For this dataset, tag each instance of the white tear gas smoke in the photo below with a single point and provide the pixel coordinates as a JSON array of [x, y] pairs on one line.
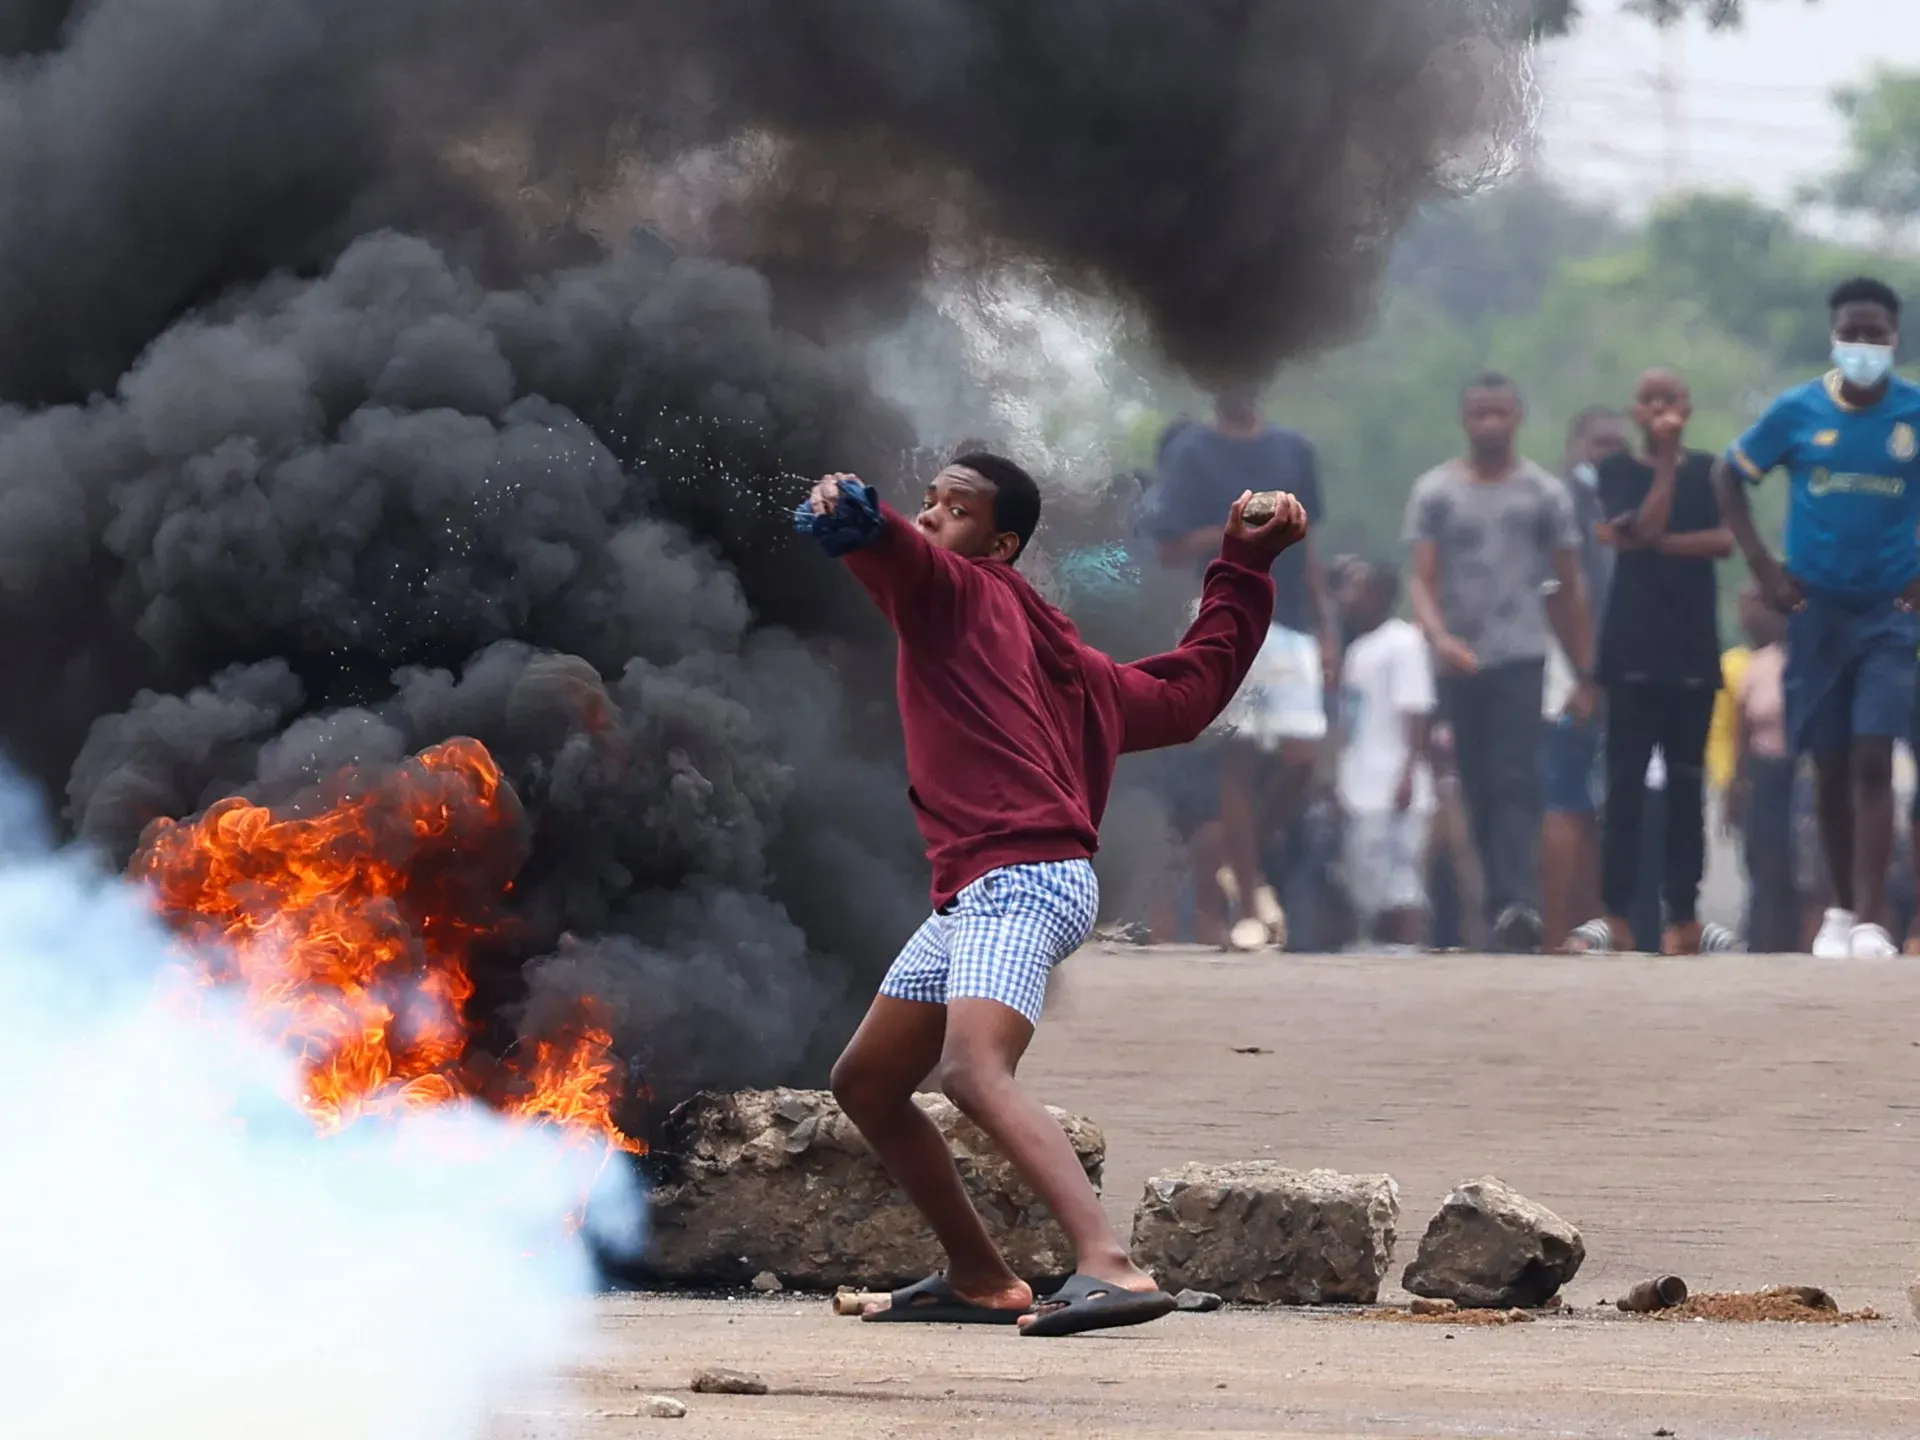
[[185, 1256], [328, 430]]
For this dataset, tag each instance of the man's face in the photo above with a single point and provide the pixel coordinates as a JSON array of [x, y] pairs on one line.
[[957, 515], [1865, 322], [1660, 392], [1491, 419], [1599, 440]]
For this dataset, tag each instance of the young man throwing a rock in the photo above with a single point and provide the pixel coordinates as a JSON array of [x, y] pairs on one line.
[[1013, 727]]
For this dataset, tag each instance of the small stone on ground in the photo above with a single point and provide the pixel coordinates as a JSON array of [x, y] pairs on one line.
[[727, 1382], [768, 1283], [1423, 1306], [1198, 1302], [661, 1407]]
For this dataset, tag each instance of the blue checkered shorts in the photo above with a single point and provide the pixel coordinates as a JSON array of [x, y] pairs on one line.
[[1000, 938]]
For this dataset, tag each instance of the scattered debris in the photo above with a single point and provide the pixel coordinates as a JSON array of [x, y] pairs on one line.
[[1251, 1050], [1792, 1304], [1424, 1306], [662, 1407], [1492, 1248], [1650, 1295], [1198, 1302], [727, 1382], [768, 1283], [1663, 1434], [1913, 1298], [854, 1302], [1455, 1317]]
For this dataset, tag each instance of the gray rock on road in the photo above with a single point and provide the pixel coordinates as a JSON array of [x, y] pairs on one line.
[[780, 1182], [1491, 1248], [727, 1382], [1256, 1233]]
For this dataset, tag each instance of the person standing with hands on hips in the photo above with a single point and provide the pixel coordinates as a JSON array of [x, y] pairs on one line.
[[1850, 443]]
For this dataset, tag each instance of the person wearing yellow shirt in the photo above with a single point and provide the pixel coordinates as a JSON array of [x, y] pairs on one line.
[[1723, 736]]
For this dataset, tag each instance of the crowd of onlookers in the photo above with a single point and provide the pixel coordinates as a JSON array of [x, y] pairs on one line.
[[1516, 734]]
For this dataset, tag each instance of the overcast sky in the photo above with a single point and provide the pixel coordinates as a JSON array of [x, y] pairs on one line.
[[1752, 109]]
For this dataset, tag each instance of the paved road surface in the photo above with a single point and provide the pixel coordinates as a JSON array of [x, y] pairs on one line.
[[1742, 1121]]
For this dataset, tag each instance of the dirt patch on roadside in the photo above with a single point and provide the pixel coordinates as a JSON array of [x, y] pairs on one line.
[[1787, 1305], [1482, 1318]]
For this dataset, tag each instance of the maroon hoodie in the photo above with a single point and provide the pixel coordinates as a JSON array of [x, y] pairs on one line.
[[1013, 725]]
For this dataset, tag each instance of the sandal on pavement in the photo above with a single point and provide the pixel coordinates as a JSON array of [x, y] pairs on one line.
[[933, 1301], [1085, 1303]]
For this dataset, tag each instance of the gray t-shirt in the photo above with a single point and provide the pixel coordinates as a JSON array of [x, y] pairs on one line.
[[1496, 543]]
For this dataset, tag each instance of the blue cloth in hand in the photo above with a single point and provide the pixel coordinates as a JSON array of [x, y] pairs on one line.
[[851, 525]]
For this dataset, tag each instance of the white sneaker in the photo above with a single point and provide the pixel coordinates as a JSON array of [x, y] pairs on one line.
[[1835, 940], [1267, 910], [1870, 942]]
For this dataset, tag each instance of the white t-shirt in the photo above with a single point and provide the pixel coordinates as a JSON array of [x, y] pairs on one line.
[[1388, 676]]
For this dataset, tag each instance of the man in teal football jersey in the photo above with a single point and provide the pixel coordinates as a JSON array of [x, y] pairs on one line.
[[1850, 443]]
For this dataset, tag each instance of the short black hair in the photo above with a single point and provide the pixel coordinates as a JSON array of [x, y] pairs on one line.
[[1864, 290], [1589, 417], [1489, 380], [1016, 498]]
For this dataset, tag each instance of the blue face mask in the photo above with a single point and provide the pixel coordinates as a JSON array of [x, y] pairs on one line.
[[1586, 475], [1862, 365]]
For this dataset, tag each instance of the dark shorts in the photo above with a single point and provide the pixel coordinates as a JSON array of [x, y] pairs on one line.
[[1187, 780], [1850, 673], [1569, 755]]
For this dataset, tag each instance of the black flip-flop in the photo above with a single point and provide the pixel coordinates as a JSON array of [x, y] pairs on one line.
[[933, 1301], [1084, 1304]]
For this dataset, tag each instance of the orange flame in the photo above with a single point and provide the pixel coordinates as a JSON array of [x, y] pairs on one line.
[[348, 934]]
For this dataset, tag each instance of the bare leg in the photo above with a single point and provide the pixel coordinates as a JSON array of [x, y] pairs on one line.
[[1872, 826], [1563, 848], [1833, 804], [1402, 927], [985, 1041], [1243, 820], [896, 1047]]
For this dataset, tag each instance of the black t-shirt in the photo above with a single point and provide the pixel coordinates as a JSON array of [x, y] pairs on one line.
[[1662, 616], [1202, 473]]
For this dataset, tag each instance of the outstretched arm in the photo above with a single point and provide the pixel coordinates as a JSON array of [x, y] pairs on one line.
[[1170, 699], [910, 580]]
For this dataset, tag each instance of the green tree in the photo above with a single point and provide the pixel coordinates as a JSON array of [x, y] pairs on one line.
[[1558, 17], [1881, 176]]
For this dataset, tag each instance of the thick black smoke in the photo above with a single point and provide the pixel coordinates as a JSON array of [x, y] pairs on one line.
[[333, 432]]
